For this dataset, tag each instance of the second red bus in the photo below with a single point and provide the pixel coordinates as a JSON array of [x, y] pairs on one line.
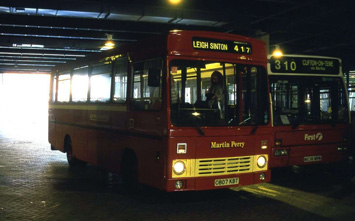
[[310, 110]]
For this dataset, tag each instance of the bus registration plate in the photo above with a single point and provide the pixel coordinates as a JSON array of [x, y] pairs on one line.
[[312, 158], [226, 182]]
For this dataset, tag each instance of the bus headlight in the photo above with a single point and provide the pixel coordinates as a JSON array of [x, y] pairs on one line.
[[179, 167], [261, 161]]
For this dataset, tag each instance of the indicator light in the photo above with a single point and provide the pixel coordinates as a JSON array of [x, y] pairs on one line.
[[181, 148]]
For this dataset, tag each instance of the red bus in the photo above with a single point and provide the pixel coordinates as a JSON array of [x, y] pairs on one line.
[[151, 112], [311, 117]]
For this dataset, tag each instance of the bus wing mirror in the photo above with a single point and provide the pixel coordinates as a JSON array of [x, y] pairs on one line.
[[154, 77]]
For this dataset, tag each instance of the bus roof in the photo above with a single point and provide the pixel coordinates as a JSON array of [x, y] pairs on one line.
[[197, 44]]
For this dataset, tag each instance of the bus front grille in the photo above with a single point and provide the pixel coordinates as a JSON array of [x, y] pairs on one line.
[[223, 166]]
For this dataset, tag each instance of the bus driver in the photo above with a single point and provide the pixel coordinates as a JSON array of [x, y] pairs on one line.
[[215, 94]]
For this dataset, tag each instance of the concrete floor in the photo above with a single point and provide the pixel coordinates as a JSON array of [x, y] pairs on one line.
[[36, 184]]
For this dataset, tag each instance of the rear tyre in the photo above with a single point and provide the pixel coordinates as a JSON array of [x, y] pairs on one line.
[[72, 161]]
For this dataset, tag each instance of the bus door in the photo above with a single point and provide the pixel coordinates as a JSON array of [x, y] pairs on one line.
[[146, 121]]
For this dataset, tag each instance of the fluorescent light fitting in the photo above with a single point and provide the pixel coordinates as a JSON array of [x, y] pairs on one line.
[[28, 45]]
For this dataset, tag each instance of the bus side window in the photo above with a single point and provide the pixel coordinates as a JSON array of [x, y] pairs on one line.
[[120, 90], [80, 83], [100, 83], [63, 87], [54, 80], [147, 92]]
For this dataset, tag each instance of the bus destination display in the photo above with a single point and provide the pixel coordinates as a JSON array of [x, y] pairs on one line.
[[221, 45], [304, 65]]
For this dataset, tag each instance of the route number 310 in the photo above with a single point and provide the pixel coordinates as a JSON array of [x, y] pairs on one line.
[[286, 65]]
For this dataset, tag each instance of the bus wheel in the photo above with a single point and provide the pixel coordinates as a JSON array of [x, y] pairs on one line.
[[72, 161], [129, 170]]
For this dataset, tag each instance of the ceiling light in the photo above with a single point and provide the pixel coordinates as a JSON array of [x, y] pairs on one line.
[[28, 46], [109, 44], [175, 2], [277, 52]]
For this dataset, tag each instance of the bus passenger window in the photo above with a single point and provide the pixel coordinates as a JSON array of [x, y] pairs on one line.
[[120, 91], [80, 83], [325, 104], [63, 87], [100, 83], [54, 88]]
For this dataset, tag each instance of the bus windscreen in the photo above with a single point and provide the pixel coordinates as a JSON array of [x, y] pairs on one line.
[[217, 94]]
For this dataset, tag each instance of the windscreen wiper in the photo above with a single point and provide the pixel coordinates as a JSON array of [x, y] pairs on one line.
[[255, 128], [198, 125], [296, 123], [200, 130], [332, 123]]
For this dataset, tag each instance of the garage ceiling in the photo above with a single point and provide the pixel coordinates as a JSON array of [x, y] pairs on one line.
[[36, 35]]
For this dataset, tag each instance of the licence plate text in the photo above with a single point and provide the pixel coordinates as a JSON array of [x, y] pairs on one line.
[[312, 158], [226, 182]]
